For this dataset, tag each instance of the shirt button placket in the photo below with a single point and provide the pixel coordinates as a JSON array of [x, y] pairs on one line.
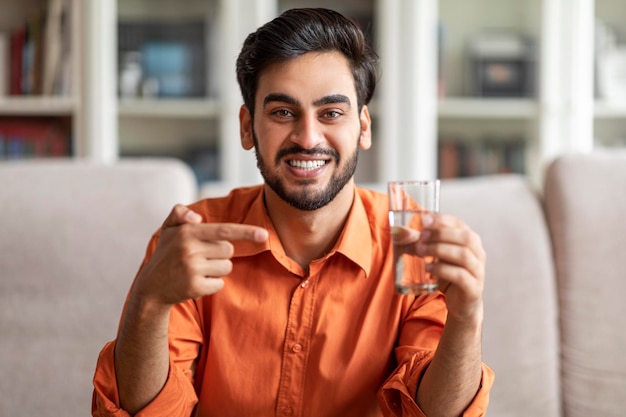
[[287, 411], [299, 322]]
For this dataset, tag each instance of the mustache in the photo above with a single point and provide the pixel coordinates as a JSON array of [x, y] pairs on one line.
[[299, 150]]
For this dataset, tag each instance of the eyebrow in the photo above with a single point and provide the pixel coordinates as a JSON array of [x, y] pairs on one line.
[[333, 99], [284, 98]]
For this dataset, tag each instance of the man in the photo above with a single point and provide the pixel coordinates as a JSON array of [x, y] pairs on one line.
[[279, 299]]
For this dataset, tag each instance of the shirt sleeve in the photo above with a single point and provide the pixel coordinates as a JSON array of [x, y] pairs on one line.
[[397, 396], [418, 341], [177, 398]]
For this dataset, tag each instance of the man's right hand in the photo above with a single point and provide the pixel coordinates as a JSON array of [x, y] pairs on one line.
[[191, 257], [188, 263]]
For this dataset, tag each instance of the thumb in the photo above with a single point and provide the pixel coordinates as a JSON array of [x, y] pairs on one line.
[[404, 235], [180, 215]]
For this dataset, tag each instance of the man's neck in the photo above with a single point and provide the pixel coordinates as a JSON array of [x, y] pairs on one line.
[[309, 235]]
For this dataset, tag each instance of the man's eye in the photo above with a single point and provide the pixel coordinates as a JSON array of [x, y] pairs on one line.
[[332, 114], [283, 113]]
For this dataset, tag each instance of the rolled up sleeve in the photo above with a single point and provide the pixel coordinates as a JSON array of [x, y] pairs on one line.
[[397, 395], [177, 398], [418, 341]]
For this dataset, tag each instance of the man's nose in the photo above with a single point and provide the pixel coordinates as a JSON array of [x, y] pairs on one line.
[[307, 132]]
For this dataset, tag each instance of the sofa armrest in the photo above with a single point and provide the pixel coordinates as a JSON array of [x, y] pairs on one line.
[[585, 197]]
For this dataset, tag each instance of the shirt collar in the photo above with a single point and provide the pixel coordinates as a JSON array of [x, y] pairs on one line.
[[257, 216], [355, 242]]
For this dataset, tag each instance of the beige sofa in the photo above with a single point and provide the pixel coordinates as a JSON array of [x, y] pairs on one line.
[[73, 233]]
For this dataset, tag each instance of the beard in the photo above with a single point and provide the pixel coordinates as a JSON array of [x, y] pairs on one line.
[[304, 198]]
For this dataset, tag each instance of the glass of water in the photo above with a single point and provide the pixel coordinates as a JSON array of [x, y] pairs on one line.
[[409, 201]]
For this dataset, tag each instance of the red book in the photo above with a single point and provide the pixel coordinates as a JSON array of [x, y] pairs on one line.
[[18, 39], [35, 137]]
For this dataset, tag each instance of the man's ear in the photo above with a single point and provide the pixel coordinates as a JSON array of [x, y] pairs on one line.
[[245, 128], [366, 128]]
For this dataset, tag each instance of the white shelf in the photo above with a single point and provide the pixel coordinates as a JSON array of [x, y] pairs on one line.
[[40, 106], [487, 108], [609, 110], [178, 108]]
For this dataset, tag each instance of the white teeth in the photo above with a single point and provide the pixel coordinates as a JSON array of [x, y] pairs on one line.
[[308, 165]]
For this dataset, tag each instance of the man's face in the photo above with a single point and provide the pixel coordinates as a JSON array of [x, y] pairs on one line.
[[307, 128]]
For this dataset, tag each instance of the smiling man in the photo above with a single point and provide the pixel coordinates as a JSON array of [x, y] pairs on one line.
[[278, 300]]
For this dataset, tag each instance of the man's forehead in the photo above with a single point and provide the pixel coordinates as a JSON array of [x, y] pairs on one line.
[[314, 77]]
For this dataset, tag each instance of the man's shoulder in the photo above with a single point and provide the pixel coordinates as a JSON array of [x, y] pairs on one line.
[[375, 203], [374, 198], [232, 207]]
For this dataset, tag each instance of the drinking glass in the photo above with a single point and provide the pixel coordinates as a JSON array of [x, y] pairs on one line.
[[409, 201]]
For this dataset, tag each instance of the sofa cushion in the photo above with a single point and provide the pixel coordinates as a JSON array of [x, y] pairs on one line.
[[520, 335], [585, 197], [72, 236]]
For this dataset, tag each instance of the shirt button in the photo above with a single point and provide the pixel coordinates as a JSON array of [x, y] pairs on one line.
[[296, 348], [287, 411]]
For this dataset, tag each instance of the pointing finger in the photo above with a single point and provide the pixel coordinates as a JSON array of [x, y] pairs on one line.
[[180, 215], [232, 232]]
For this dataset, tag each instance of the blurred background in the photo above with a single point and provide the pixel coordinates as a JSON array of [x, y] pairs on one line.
[[467, 88]]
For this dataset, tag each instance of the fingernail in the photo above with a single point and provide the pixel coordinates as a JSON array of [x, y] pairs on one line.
[[425, 235], [261, 235], [427, 220], [192, 216]]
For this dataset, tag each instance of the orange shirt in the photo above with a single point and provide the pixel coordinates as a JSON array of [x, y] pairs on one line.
[[277, 342]]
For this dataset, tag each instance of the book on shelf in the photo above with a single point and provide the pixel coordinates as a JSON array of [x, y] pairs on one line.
[[57, 47], [458, 158], [32, 55], [34, 137], [18, 41], [4, 64], [40, 52]]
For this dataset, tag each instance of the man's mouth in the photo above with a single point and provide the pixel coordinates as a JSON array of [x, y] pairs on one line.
[[307, 165]]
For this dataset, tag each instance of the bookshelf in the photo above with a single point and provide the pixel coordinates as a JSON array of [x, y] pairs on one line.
[[413, 110], [40, 104], [559, 115]]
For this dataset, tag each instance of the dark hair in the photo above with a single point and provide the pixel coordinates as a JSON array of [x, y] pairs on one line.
[[298, 31]]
